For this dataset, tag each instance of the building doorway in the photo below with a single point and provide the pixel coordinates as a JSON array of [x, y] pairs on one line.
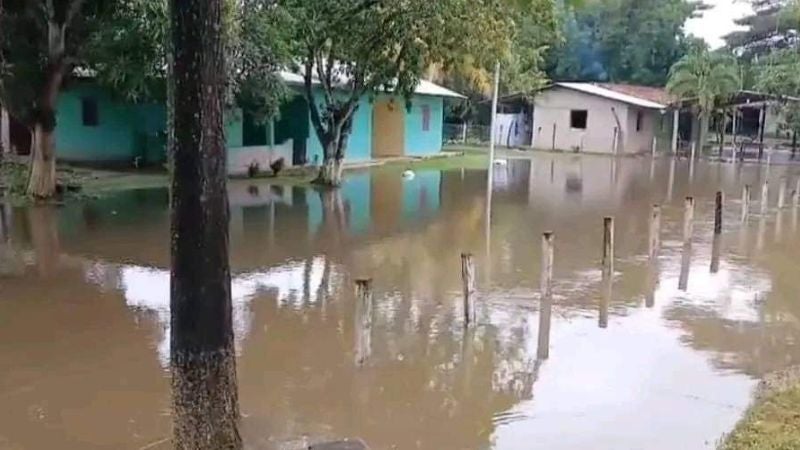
[[388, 129]]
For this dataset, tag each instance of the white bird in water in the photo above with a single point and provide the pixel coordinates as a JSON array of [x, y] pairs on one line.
[[408, 174]]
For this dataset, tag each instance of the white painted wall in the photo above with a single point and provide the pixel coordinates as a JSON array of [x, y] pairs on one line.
[[553, 106], [517, 125], [240, 158]]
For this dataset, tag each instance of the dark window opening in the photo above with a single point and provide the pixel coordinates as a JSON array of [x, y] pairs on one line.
[[89, 112], [639, 120], [426, 118], [578, 119]]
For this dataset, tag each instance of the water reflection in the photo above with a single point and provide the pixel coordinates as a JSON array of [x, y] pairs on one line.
[[84, 290]]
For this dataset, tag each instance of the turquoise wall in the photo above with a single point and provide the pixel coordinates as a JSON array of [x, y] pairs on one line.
[[417, 141], [359, 146], [124, 131], [234, 126]]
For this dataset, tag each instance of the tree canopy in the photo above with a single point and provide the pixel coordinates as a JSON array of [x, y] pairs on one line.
[[347, 49], [623, 41], [129, 52], [773, 26]]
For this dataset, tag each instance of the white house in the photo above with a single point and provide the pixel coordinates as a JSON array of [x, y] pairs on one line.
[[603, 118]]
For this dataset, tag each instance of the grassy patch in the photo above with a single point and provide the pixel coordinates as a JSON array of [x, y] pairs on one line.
[[466, 160], [773, 421]]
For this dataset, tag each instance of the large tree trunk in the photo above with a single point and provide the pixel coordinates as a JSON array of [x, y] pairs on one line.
[[204, 389], [42, 179]]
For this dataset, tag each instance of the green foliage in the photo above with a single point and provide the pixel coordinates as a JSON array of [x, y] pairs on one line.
[[24, 59], [770, 424], [129, 53], [705, 78], [773, 26], [364, 47], [778, 75], [623, 41]]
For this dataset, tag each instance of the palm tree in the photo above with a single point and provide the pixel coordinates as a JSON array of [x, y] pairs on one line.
[[706, 79]]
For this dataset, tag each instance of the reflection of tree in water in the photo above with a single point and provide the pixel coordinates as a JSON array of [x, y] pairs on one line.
[[755, 348], [42, 222]]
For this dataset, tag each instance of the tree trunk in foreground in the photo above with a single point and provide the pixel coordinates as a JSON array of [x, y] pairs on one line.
[[42, 178], [204, 389]]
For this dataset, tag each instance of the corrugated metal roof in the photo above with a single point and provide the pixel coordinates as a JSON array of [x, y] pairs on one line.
[[593, 89], [423, 88]]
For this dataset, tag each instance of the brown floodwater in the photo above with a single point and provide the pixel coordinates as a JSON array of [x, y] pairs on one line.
[[665, 357]]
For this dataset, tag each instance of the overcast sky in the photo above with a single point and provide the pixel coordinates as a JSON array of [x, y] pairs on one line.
[[718, 21]]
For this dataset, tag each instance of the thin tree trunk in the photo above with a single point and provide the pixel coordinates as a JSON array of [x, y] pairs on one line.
[[204, 389], [794, 144]]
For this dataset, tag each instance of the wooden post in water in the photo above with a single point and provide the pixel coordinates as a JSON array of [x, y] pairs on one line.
[[718, 213], [655, 231], [715, 252], [608, 270], [468, 280], [363, 325], [655, 146], [745, 202], [691, 161], [796, 194], [688, 218], [782, 193], [764, 197], [608, 246], [546, 288]]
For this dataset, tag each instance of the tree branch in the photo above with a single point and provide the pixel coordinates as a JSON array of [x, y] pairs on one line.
[[313, 109]]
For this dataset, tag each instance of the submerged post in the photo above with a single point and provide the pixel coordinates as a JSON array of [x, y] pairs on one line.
[[363, 325], [764, 197], [688, 218], [745, 201], [655, 231], [655, 146], [718, 213], [782, 193], [468, 281], [546, 288], [715, 252], [796, 194], [608, 246]]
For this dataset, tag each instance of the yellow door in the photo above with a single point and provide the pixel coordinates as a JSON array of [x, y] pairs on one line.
[[388, 129]]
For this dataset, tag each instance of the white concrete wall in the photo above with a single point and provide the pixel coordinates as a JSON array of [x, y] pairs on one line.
[[240, 158], [642, 141], [553, 106]]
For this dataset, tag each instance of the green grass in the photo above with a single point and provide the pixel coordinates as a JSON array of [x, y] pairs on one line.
[[772, 422]]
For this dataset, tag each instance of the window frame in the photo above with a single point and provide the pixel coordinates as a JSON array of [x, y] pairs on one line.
[[573, 117], [90, 112], [426, 118]]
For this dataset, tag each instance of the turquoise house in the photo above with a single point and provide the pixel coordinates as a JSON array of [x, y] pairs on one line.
[[94, 128]]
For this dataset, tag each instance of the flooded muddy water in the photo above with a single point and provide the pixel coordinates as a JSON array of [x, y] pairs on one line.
[[664, 357]]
